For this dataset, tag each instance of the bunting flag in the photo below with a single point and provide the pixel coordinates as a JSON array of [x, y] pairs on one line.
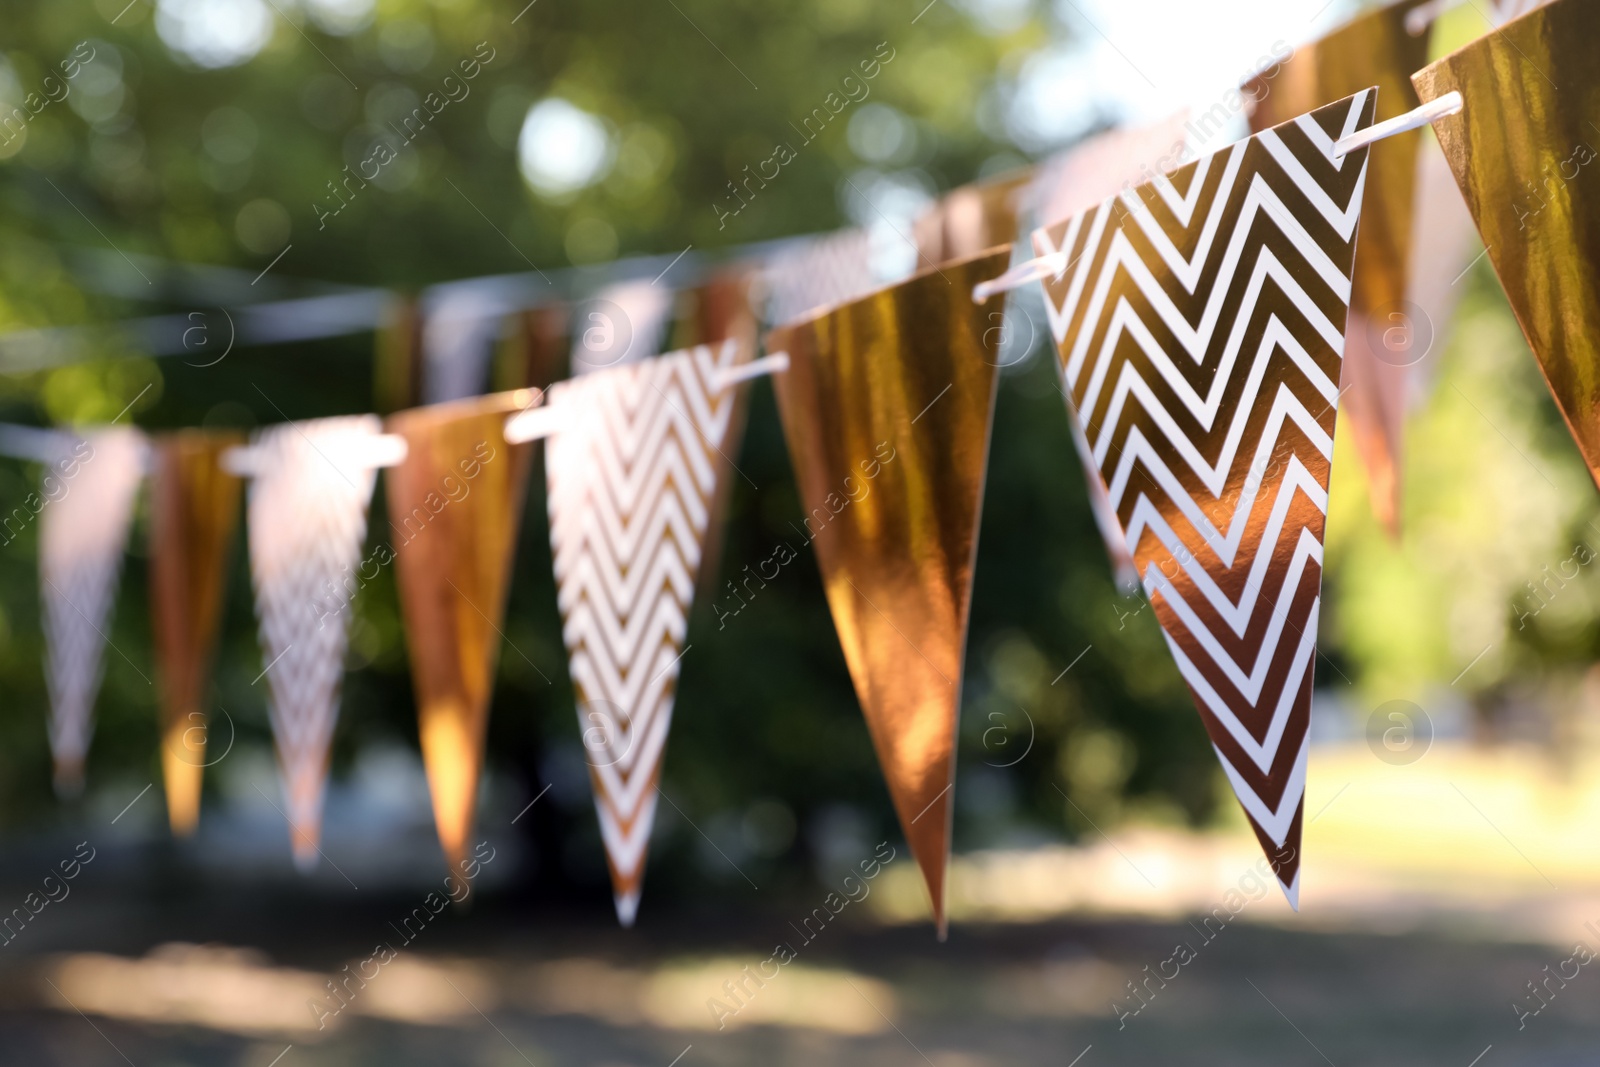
[[1074, 181], [535, 352], [1080, 177], [455, 505], [623, 323], [631, 476], [1523, 151], [887, 407], [194, 510], [307, 513], [973, 218], [458, 341], [1376, 49], [83, 532], [818, 272], [397, 357], [1200, 330]]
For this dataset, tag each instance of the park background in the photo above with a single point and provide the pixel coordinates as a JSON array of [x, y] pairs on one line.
[[1447, 859]]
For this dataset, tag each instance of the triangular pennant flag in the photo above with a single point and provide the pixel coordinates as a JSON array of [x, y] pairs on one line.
[[1078, 178], [1379, 362], [816, 272], [887, 407], [194, 510], [631, 475], [1074, 181], [83, 532], [535, 351], [309, 490], [1523, 150], [455, 504], [973, 218], [623, 323], [1200, 325], [397, 356]]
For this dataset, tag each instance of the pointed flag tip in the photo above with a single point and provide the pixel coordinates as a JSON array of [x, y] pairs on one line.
[[68, 781], [305, 859], [1291, 893], [627, 907]]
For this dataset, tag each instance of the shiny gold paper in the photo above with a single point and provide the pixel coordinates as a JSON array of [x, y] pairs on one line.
[[973, 218], [397, 357], [194, 511], [1375, 49], [1523, 150], [887, 407], [535, 352], [455, 504], [1199, 323]]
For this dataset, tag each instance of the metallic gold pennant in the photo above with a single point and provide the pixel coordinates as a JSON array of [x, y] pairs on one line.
[[973, 218], [194, 511], [887, 407], [455, 505], [1199, 322], [1376, 49], [1523, 151]]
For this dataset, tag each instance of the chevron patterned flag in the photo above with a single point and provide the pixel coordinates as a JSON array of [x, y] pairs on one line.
[[816, 272], [82, 535], [1200, 325], [631, 477], [307, 516]]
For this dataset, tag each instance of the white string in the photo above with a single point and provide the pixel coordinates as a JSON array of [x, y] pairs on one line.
[[1055, 263], [1415, 119], [33, 443], [378, 450], [1419, 18], [776, 363], [531, 424], [1030, 270]]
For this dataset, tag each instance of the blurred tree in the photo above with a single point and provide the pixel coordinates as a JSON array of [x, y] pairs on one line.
[[245, 134]]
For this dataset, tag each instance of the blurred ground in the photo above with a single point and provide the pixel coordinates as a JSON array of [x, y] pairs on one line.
[[558, 989], [1423, 934]]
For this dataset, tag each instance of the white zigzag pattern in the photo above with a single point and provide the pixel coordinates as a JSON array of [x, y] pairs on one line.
[[308, 520], [630, 488], [1195, 339], [82, 537]]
